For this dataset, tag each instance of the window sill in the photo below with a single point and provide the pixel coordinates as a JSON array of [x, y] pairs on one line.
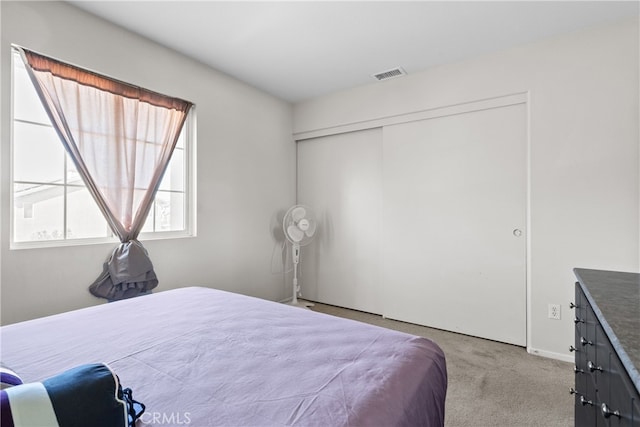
[[144, 237]]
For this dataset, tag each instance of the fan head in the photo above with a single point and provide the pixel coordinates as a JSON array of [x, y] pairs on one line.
[[299, 225]]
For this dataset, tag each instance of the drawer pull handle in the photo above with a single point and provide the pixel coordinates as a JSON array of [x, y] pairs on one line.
[[585, 341], [572, 305], [577, 371], [592, 367], [585, 401], [577, 320], [607, 412], [572, 348]]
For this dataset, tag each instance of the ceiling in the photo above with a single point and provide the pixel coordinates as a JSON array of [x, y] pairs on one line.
[[298, 50]]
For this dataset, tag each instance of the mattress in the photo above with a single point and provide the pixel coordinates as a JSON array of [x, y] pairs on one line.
[[203, 357]]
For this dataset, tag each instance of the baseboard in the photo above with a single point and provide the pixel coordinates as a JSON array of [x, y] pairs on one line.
[[551, 355]]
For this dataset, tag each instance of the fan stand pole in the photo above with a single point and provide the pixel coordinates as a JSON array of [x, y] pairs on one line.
[[294, 300], [295, 251]]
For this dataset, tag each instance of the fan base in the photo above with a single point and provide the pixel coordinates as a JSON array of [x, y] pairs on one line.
[[301, 303]]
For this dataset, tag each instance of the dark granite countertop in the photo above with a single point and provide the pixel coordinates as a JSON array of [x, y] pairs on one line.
[[615, 299]]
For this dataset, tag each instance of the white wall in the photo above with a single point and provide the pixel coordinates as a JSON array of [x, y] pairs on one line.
[[245, 168], [584, 183]]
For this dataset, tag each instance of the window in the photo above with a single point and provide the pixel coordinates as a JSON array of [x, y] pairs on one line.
[[51, 205]]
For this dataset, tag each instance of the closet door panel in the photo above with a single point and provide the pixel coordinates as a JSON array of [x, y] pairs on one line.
[[340, 177], [454, 240]]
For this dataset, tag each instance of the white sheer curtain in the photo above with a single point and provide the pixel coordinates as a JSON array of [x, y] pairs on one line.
[[120, 137]]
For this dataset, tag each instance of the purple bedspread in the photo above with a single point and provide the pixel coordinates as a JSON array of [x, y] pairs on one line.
[[202, 357]]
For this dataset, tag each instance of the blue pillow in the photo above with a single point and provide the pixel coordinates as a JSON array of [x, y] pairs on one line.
[[8, 378], [88, 395]]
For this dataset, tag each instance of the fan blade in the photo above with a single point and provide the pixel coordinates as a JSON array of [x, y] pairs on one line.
[[311, 230], [295, 233], [298, 213]]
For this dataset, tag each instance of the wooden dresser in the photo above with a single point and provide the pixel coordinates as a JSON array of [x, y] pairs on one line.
[[607, 348]]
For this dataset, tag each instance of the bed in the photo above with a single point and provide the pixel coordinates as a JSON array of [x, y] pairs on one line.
[[205, 357]]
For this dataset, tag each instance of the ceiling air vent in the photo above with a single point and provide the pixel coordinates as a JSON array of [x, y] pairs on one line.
[[389, 74]]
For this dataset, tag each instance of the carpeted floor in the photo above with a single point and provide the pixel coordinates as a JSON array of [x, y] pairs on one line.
[[490, 383]]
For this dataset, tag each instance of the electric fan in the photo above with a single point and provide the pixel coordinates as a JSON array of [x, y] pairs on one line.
[[299, 225]]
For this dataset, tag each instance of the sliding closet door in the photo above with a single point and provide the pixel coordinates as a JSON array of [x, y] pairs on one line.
[[340, 178], [453, 246]]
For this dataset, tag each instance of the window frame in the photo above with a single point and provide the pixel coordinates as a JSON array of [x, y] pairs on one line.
[[189, 171]]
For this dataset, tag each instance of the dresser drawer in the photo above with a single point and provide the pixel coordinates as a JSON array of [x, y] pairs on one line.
[[582, 328], [588, 345], [616, 391], [585, 403]]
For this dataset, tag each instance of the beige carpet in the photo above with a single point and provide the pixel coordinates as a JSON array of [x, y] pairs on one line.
[[490, 383]]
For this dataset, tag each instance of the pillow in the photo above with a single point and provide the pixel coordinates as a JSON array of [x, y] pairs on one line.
[[8, 378], [88, 395]]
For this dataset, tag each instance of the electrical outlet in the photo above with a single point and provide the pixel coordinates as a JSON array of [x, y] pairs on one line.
[[554, 311]]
